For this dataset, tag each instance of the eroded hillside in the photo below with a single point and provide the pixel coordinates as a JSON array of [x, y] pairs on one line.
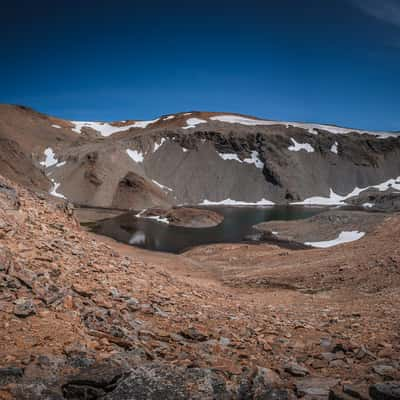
[[196, 158]]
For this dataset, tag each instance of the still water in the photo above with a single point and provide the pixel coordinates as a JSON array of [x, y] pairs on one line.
[[237, 225]]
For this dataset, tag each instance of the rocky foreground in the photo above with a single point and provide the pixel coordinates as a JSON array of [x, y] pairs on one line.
[[83, 317]]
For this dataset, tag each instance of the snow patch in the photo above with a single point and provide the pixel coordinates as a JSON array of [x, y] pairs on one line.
[[230, 202], [301, 146], [162, 186], [158, 145], [56, 126], [61, 164], [184, 149], [334, 148], [54, 192], [230, 156], [368, 205], [337, 199], [135, 155], [344, 237], [153, 217], [310, 127], [169, 117], [106, 129], [254, 158], [50, 159], [236, 119], [192, 122]]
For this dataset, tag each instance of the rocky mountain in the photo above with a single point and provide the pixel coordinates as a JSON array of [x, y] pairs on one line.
[[194, 158]]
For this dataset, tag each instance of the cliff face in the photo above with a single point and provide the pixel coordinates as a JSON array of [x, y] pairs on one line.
[[197, 158]]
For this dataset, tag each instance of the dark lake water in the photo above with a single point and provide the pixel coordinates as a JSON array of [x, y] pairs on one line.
[[237, 225]]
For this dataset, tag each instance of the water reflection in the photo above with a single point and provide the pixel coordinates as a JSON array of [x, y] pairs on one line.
[[237, 224]]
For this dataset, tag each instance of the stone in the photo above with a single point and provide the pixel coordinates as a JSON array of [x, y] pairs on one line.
[[24, 308], [82, 290], [357, 391], [385, 391], [10, 374], [315, 387], [193, 334], [386, 371], [296, 369]]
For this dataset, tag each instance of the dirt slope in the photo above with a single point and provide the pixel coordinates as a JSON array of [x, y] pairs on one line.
[[83, 316]]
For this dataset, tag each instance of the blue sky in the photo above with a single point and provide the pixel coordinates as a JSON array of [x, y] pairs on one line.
[[331, 61]]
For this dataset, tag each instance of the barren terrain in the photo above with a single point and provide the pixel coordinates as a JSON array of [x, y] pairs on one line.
[[221, 321]]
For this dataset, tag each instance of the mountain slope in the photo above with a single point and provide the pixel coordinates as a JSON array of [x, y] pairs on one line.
[[202, 157]]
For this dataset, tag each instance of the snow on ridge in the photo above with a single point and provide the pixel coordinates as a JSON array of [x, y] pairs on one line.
[[169, 117], [135, 155], [310, 127], [344, 237], [106, 129], [301, 146], [60, 164], [50, 159], [236, 119], [335, 199], [334, 148], [192, 122], [230, 202], [254, 158], [56, 126], [162, 186]]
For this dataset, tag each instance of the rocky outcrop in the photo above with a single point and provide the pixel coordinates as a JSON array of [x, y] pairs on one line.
[[185, 216]]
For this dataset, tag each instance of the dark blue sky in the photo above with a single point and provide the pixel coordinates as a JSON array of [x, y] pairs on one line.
[[335, 61]]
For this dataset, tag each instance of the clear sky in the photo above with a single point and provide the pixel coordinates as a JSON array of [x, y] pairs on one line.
[[331, 61]]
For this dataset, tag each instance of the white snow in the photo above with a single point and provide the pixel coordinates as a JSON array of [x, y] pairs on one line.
[[230, 202], [368, 205], [162, 186], [56, 126], [192, 122], [189, 113], [154, 217], [53, 191], [334, 148], [50, 159], [254, 158], [106, 129], [236, 119], [158, 145], [337, 199], [344, 237], [184, 149], [135, 155], [61, 164], [301, 146], [230, 156], [312, 128], [169, 117]]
